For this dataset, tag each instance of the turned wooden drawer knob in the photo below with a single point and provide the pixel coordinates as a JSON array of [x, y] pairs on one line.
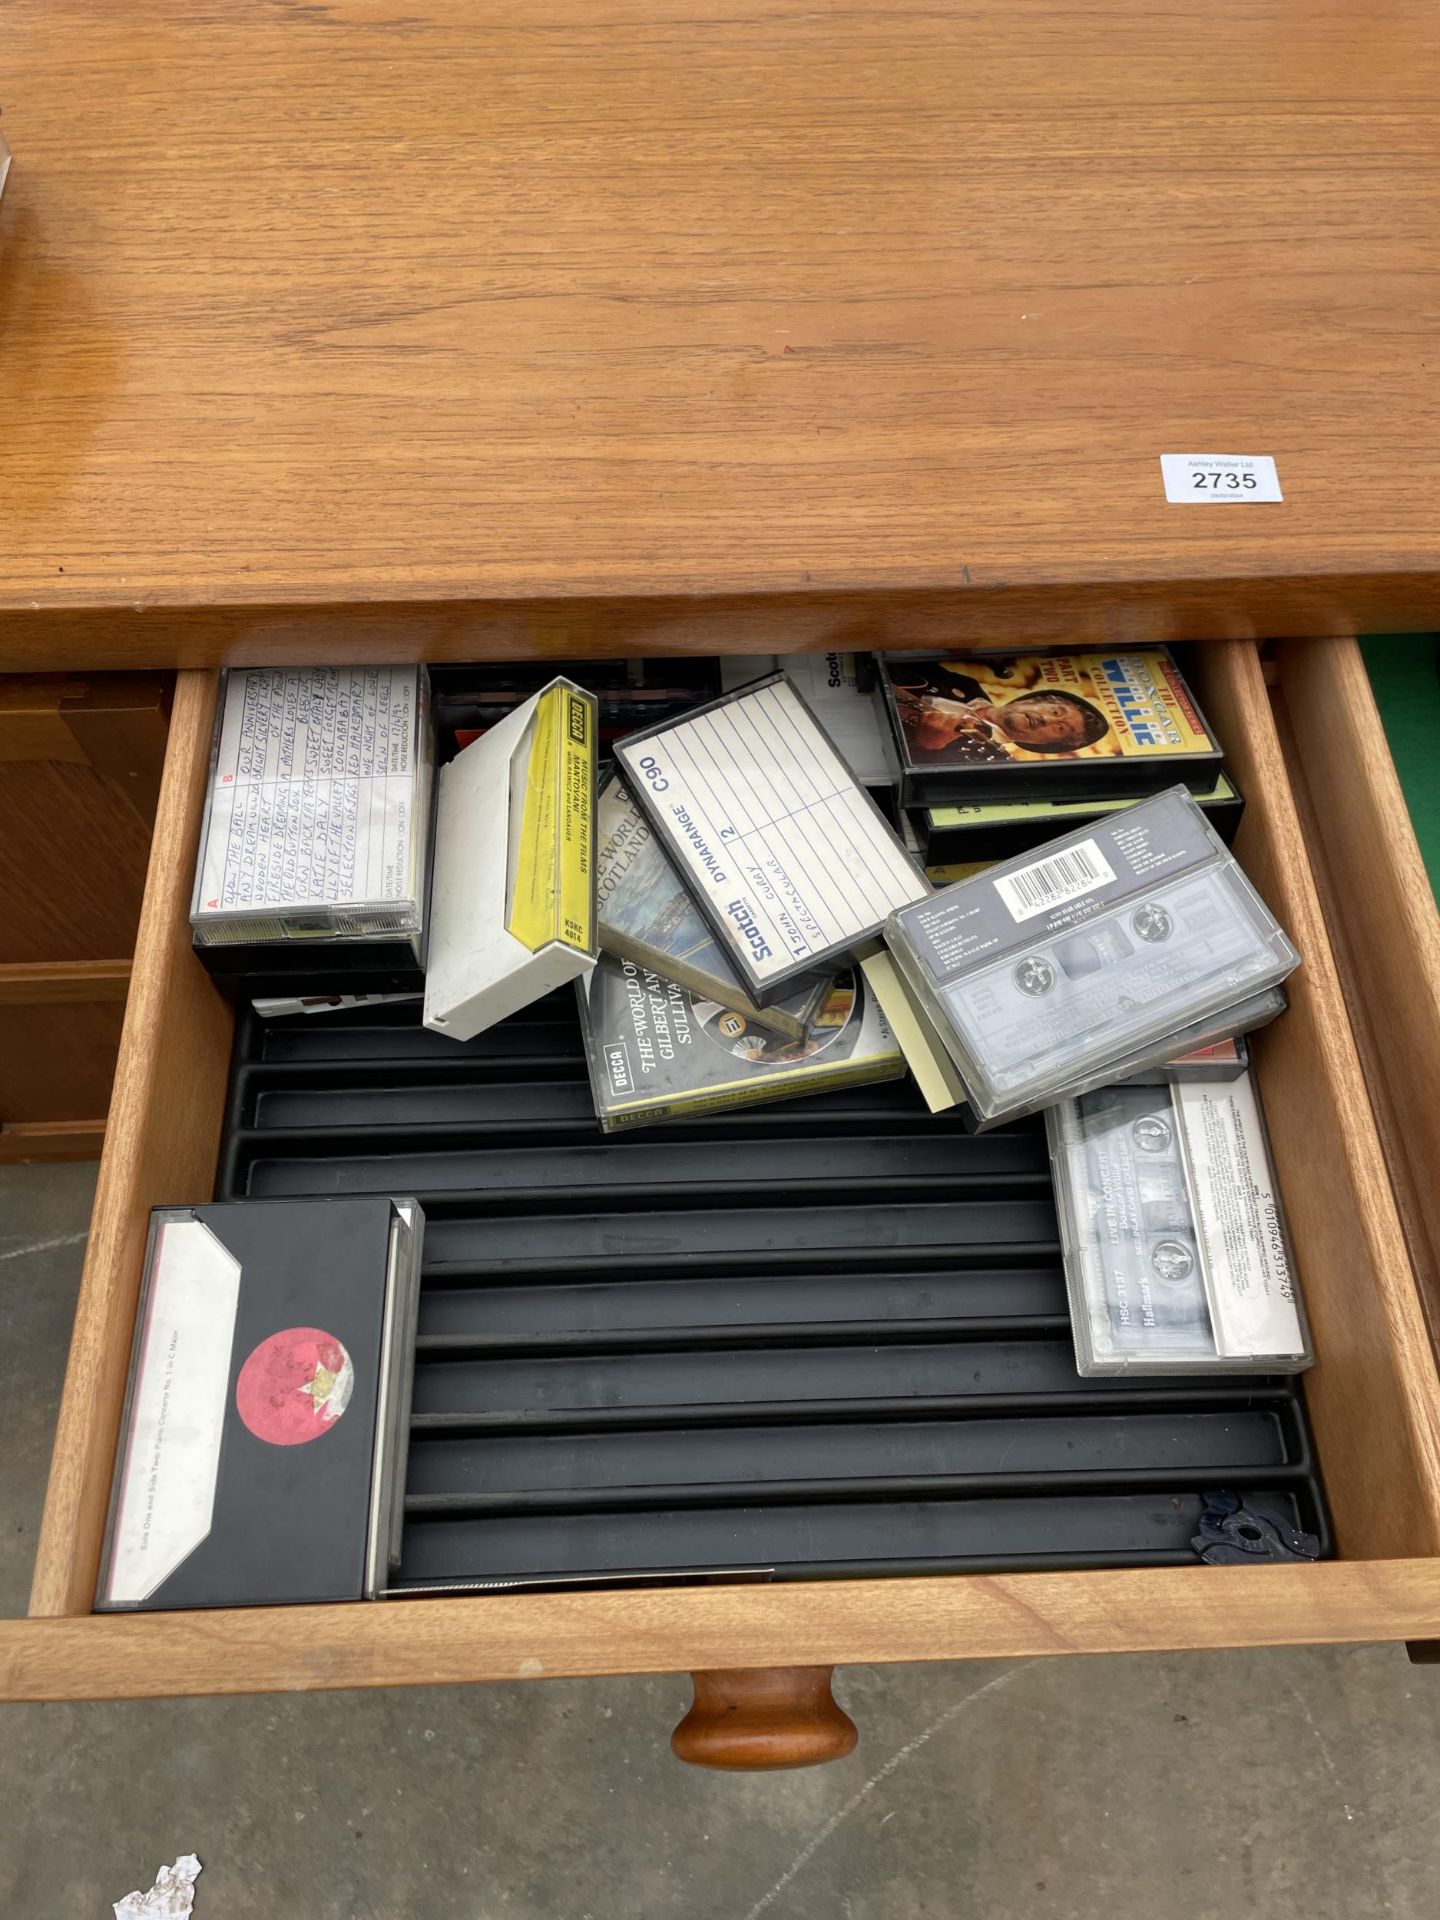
[[764, 1717]]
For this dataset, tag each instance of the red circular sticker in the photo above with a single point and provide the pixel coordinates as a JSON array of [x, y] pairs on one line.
[[294, 1386]]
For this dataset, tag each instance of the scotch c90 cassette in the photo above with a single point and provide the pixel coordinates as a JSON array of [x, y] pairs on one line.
[[1176, 1254], [785, 853], [1046, 973]]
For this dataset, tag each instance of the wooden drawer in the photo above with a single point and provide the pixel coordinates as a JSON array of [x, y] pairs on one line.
[[1381, 916], [1374, 1396]]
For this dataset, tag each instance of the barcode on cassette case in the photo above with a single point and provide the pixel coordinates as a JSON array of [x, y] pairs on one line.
[[1050, 883]]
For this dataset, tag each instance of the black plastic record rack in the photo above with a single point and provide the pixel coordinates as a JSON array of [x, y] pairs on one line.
[[823, 1337]]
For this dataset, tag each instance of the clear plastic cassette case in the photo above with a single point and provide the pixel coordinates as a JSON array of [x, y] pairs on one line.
[[1176, 1254], [1053, 971]]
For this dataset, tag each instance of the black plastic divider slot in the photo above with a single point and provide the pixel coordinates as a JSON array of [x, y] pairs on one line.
[[798, 1333], [517, 1180], [573, 1420], [829, 1336], [684, 1378], [472, 1473], [1090, 1529], [680, 1173], [394, 1034], [903, 1154], [546, 1096], [856, 1490], [752, 1304], [842, 1228]]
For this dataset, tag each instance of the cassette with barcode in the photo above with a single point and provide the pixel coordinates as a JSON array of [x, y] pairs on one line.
[[1176, 1255], [1050, 972]]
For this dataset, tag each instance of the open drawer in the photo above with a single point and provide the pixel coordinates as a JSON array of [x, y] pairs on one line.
[[760, 1651]]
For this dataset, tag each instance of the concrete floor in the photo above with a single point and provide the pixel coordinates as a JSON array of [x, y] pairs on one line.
[[1298, 1783]]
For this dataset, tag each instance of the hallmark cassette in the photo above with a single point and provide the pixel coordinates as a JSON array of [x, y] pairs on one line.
[[1176, 1254], [1217, 1060], [1209, 1049], [1044, 725], [262, 1448], [657, 1052], [646, 914], [946, 872], [317, 817], [995, 829], [1047, 976], [789, 859]]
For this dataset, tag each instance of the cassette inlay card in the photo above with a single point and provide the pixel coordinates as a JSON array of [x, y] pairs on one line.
[[655, 1052], [1044, 724], [787, 856], [318, 811], [838, 688], [513, 904], [647, 914]]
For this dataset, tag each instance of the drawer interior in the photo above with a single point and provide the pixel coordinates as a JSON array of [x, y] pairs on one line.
[[1373, 1404], [823, 1337]]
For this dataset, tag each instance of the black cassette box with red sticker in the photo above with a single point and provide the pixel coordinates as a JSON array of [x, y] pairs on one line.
[[261, 1455]]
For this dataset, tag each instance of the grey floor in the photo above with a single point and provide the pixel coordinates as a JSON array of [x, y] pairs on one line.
[[1297, 1783]]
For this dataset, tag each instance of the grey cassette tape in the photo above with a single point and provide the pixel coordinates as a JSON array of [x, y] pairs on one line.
[[1176, 1255], [1047, 973]]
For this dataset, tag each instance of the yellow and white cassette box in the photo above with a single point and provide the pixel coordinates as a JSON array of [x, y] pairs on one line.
[[513, 902]]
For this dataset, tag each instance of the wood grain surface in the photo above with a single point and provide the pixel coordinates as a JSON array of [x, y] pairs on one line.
[[162, 1143], [50, 983], [449, 1640], [60, 1027], [1382, 919], [57, 1061], [34, 1140], [80, 761], [525, 307], [1373, 1396]]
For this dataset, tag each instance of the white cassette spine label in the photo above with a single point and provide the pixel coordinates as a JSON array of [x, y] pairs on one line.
[[1246, 1262], [1068, 875], [177, 1415]]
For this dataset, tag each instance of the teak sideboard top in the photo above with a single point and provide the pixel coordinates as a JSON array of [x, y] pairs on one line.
[[603, 326]]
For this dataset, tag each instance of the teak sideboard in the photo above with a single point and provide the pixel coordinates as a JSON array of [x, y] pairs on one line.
[[466, 331]]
